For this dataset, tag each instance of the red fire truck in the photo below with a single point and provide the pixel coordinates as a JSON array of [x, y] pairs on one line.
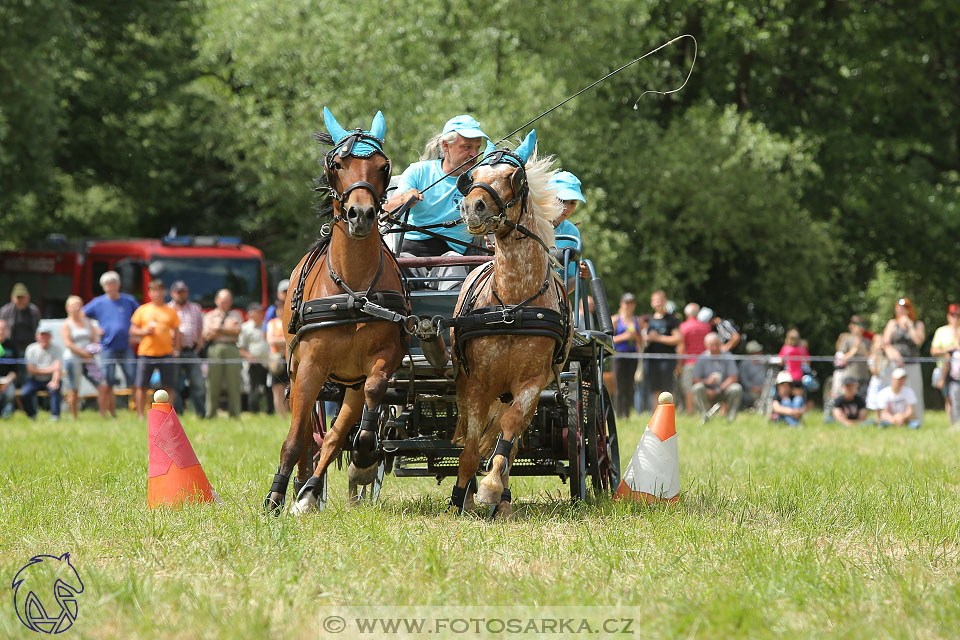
[[206, 263]]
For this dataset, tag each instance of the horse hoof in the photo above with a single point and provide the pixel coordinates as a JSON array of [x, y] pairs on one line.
[[503, 511], [305, 505], [360, 476], [273, 503], [490, 489]]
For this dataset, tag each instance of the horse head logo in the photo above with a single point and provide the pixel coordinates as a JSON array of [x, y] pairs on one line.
[[45, 593]]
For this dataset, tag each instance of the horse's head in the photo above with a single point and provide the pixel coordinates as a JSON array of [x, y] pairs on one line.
[[496, 190], [358, 173]]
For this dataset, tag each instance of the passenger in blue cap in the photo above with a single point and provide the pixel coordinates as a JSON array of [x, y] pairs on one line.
[[570, 195], [460, 140]]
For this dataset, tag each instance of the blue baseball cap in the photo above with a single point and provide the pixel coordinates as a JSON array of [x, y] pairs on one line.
[[466, 126], [567, 186]]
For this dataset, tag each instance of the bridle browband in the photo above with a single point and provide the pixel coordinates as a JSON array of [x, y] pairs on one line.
[[345, 149], [466, 184]]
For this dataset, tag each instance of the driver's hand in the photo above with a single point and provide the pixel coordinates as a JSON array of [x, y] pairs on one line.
[[584, 270], [412, 193]]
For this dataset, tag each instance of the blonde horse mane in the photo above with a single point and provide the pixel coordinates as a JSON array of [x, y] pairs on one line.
[[542, 201]]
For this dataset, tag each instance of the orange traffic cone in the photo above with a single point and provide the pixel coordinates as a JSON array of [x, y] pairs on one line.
[[175, 473], [653, 474]]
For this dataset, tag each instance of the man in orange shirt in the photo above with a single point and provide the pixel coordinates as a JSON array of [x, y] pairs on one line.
[[157, 326]]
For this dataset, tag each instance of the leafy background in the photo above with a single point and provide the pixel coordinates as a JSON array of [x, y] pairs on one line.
[[809, 169]]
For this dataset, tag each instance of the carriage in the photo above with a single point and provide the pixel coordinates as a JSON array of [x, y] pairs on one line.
[[408, 405], [573, 434]]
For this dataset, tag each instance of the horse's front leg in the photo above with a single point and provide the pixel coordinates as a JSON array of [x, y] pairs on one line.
[[471, 409], [512, 423], [364, 451], [295, 447], [313, 494]]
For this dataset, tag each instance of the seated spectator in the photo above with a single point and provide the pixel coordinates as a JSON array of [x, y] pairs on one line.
[[44, 364], [729, 333], [787, 407], [898, 402], [850, 408], [715, 380], [753, 373], [8, 373], [81, 341], [693, 332]]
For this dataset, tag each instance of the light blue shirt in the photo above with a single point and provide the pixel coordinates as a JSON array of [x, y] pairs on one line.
[[439, 204], [567, 228]]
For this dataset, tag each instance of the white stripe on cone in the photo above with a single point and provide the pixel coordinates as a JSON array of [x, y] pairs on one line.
[[655, 467]]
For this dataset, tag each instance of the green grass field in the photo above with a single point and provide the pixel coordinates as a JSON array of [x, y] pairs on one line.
[[807, 532]]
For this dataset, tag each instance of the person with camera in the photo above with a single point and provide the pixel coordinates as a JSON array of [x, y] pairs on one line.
[[221, 328]]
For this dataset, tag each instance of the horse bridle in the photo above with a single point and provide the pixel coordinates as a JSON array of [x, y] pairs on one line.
[[344, 149], [466, 184]]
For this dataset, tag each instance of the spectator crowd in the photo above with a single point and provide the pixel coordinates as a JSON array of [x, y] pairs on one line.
[[705, 360], [173, 345], [714, 371]]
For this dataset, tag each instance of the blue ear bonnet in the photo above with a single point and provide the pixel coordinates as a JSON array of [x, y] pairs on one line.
[[361, 144], [517, 157]]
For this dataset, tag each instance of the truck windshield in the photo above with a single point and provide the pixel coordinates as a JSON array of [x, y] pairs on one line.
[[206, 276]]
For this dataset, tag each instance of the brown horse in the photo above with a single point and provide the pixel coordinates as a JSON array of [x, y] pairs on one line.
[[334, 334], [499, 377]]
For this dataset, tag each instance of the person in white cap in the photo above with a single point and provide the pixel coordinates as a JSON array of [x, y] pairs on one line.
[[898, 402], [787, 407], [459, 143]]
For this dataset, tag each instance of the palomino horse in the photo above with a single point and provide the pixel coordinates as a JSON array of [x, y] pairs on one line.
[[511, 331], [346, 306]]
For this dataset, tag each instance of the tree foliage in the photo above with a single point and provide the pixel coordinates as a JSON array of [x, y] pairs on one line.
[[814, 142]]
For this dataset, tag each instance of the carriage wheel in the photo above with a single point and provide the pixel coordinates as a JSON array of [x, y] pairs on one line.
[[576, 451], [608, 444], [603, 448]]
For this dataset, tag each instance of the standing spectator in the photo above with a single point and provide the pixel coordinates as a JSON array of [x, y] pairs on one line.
[[22, 317], [81, 339], [715, 379], [787, 407], [8, 373], [158, 326], [274, 310], [255, 350], [753, 373], [728, 332], [44, 365], [113, 311], [626, 339], [946, 343], [902, 338], [856, 352], [793, 355], [278, 365], [850, 408], [880, 370], [191, 341], [661, 336], [898, 402], [221, 328], [693, 332]]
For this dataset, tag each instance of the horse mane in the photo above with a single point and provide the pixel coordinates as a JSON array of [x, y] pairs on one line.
[[323, 205], [542, 201]]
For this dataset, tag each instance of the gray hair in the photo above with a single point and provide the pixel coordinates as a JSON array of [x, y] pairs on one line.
[[713, 335], [691, 310], [433, 149], [109, 276]]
